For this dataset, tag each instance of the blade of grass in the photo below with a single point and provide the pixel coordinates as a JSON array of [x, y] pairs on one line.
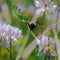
[[57, 43], [23, 46]]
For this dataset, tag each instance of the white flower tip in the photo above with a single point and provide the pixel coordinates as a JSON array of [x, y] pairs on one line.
[[43, 37], [38, 41], [54, 6], [42, 9], [37, 3]]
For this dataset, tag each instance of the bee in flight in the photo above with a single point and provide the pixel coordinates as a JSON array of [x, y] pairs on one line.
[[26, 21]]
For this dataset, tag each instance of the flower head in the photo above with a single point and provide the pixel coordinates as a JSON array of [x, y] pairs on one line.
[[47, 5], [8, 32], [48, 46], [44, 40]]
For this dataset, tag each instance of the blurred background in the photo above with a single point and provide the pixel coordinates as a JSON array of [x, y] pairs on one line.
[[19, 13]]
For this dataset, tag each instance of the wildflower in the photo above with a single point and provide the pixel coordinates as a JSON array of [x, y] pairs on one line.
[[8, 32], [47, 5], [43, 7], [37, 4], [44, 40], [48, 46]]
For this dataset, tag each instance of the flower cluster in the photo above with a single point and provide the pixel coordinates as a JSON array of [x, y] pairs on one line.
[[47, 5], [8, 32], [47, 45]]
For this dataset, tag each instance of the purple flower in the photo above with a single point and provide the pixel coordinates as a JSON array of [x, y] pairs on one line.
[[5, 43], [44, 40], [48, 45], [47, 5], [8, 32]]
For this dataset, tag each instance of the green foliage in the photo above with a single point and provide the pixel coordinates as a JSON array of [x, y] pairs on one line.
[[20, 21], [28, 3], [21, 49]]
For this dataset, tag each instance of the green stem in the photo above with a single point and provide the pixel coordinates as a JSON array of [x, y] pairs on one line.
[[42, 22], [57, 43], [57, 19], [0, 45], [49, 57], [20, 51], [32, 33], [10, 49]]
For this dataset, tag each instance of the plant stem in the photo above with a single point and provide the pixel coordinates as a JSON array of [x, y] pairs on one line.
[[42, 22], [57, 43], [32, 33], [0, 45], [49, 57], [10, 49], [20, 52]]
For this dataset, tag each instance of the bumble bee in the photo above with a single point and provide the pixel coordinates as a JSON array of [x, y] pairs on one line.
[[32, 26]]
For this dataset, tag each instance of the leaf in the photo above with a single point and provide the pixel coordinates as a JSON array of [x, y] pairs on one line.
[[23, 46]]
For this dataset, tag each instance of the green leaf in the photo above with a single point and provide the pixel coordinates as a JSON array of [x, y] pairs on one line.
[[23, 46]]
